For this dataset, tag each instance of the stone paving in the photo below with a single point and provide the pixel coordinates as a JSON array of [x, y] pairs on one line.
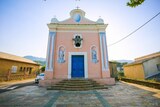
[[120, 95]]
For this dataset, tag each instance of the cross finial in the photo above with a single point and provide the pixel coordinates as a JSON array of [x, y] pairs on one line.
[[77, 5]]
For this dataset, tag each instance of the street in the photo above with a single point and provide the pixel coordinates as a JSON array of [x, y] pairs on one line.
[[16, 86], [12, 85]]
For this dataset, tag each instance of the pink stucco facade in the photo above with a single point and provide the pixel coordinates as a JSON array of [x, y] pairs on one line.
[[61, 49]]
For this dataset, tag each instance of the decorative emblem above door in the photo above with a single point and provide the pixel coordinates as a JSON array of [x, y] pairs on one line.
[[77, 40]]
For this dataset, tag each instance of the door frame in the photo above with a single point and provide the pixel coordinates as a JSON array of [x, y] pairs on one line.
[[70, 63]]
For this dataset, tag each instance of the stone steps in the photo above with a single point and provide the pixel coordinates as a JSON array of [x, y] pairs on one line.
[[75, 89], [71, 85], [76, 85]]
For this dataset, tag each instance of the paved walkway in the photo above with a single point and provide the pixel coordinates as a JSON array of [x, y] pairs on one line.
[[120, 95]]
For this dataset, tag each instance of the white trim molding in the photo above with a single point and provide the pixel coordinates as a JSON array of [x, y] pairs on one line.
[[70, 63]]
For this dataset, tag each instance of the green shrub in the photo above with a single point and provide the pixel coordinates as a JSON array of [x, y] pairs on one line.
[[120, 74], [43, 68]]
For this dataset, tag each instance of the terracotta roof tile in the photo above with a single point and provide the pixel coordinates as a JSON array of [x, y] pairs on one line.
[[15, 58]]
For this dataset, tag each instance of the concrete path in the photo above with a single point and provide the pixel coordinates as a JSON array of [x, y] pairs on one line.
[[120, 95]]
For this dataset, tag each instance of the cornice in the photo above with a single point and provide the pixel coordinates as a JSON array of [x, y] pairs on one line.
[[96, 27]]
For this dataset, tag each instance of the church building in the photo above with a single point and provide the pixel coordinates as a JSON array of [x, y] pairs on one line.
[[77, 48]]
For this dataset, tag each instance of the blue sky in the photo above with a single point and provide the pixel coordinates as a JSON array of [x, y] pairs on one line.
[[23, 29]]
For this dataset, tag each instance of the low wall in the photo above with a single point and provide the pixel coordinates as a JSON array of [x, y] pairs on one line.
[[3, 78], [15, 77], [143, 82]]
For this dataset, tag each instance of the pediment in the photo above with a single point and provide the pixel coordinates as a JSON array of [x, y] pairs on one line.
[[82, 20], [77, 16]]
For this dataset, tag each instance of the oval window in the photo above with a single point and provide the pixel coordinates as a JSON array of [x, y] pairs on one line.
[[77, 17]]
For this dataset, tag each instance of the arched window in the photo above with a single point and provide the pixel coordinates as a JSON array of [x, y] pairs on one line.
[[94, 54], [61, 54]]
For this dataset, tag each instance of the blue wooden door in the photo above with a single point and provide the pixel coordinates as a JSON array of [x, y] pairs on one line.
[[77, 66]]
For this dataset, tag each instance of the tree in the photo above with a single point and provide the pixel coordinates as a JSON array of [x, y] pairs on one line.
[[134, 3], [131, 3], [43, 68]]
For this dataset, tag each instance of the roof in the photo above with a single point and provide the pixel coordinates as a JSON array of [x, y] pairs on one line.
[[15, 58], [145, 58], [150, 56], [134, 63], [112, 62]]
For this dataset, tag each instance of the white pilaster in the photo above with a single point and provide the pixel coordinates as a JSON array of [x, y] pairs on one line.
[[104, 52], [106, 61], [50, 52]]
